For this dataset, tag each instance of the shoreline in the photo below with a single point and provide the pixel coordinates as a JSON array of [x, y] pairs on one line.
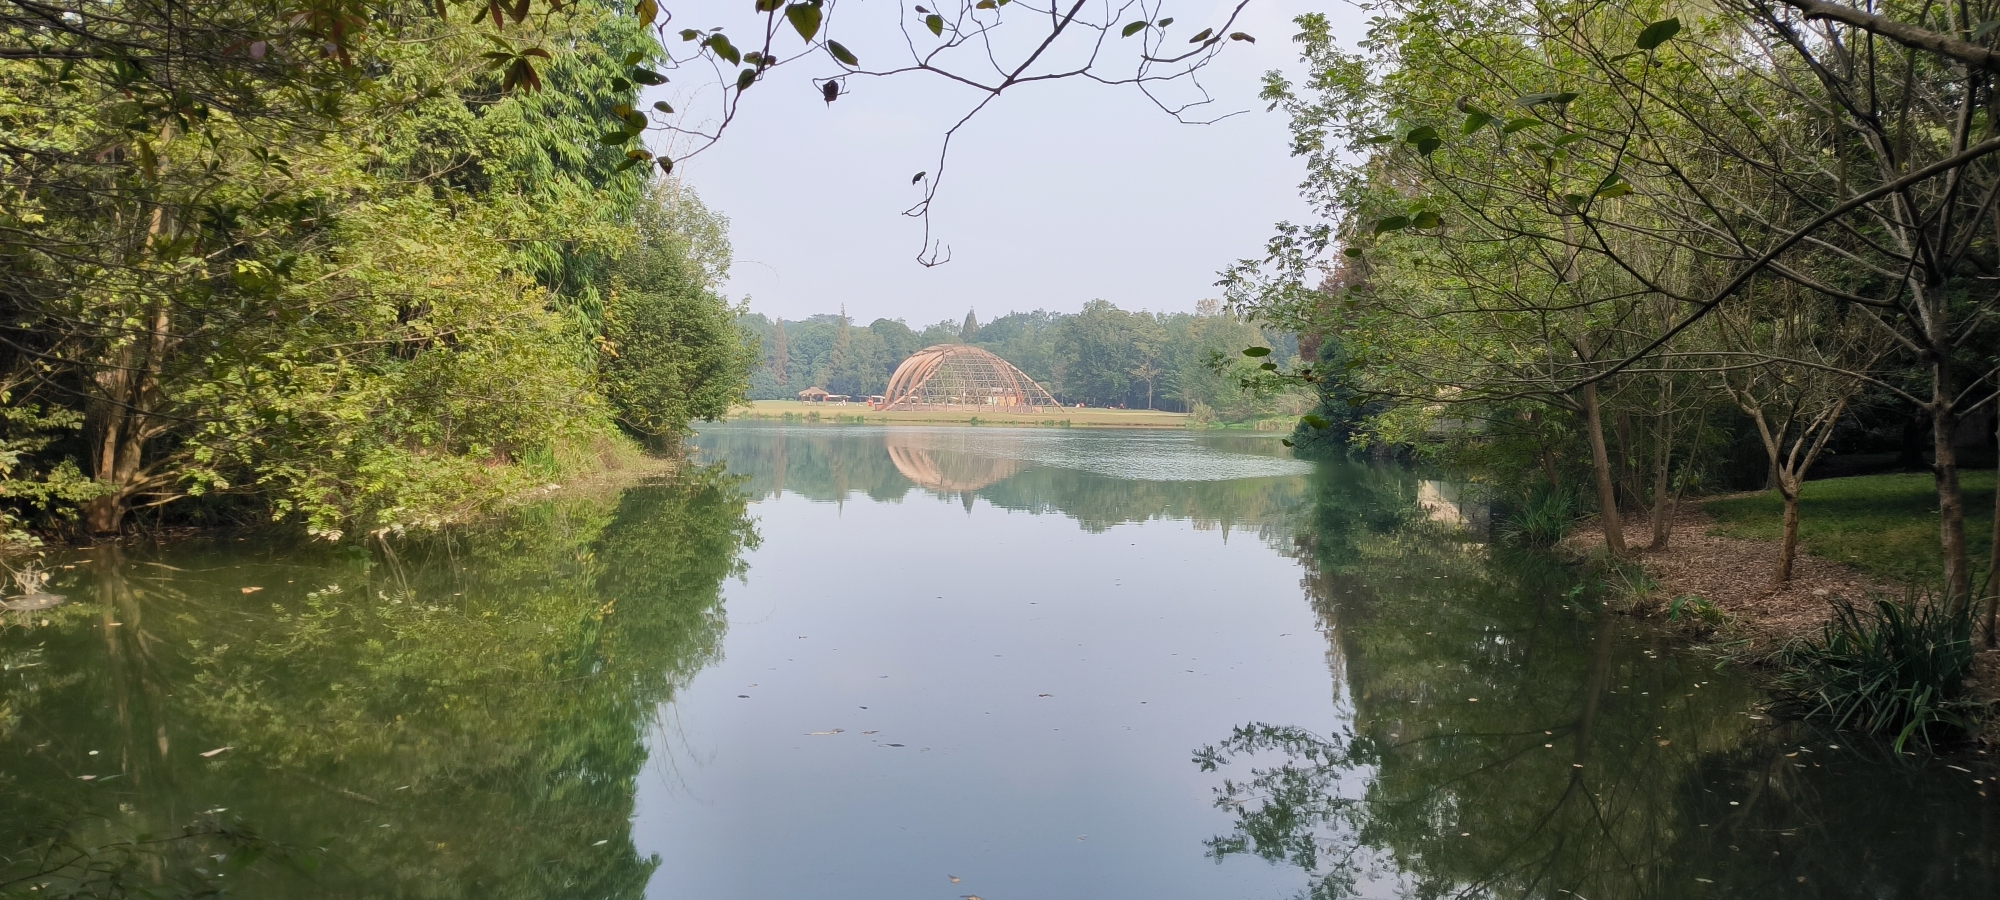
[[1745, 618], [1063, 417]]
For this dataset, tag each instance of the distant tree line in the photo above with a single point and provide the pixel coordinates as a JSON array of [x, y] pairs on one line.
[[1100, 356]]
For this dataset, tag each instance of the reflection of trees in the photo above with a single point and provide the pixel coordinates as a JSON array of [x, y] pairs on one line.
[[829, 463], [465, 718], [1590, 764]]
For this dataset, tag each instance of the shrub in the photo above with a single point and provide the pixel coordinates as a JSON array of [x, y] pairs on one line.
[[1887, 668], [1543, 517]]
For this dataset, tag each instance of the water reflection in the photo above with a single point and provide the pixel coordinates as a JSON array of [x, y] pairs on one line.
[[455, 717], [1508, 740], [542, 707], [1098, 478]]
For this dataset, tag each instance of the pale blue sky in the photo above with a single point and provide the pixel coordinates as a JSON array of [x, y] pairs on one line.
[[1056, 194]]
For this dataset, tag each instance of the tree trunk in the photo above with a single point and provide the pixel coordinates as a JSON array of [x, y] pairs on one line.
[[1789, 549], [1663, 500], [1951, 508], [1993, 568], [1607, 489]]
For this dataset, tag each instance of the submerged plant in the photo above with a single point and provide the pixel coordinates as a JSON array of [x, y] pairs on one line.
[[1887, 668]]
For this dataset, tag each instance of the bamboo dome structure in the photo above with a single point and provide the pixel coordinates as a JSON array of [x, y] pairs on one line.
[[955, 376]]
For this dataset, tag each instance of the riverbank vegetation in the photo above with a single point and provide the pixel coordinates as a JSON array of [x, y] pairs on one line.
[[1100, 356], [369, 289], [1635, 253]]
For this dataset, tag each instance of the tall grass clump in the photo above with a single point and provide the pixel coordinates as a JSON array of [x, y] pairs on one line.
[[1543, 517], [1888, 668]]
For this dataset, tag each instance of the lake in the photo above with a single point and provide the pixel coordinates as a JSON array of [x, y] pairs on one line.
[[864, 662]]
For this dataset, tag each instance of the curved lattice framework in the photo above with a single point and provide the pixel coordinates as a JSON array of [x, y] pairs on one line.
[[954, 376]]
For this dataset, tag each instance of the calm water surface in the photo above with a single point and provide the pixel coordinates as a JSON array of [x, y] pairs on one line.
[[855, 662]]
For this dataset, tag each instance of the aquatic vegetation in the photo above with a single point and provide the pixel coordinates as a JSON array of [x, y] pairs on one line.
[[1543, 517], [1891, 668]]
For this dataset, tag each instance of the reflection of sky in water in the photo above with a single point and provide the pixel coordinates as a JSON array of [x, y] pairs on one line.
[[1141, 456]]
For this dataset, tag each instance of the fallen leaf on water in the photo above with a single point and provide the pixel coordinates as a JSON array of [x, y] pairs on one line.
[[835, 731], [954, 878], [252, 590], [211, 754]]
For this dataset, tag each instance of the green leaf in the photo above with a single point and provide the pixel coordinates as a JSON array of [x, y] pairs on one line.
[[1424, 138], [1351, 253], [1566, 140], [1269, 367], [1240, 36], [745, 79], [688, 34], [666, 166], [1617, 190], [841, 53], [723, 48], [1313, 421], [1392, 223], [935, 23], [634, 58], [805, 19], [647, 76], [1474, 121], [917, 177], [1132, 28], [614, 138], [1985, 28], [1658, 33], [1519, 124], [985, 4], [1425, 219], [629, 163], [1380, 139], [1254, 352], [1201, 35], [664, 106], [1533, 100], [647, 11], [1286, 441], [1165, 22], [635, 121]]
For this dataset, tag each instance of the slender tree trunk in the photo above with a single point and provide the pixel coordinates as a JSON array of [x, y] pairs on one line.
[[1607, 489], [1663, 500], [1789, 549], [1951, 506], [1993, 566]]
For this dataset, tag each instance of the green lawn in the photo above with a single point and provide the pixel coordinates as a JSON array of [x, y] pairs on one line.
[[1886, 525]]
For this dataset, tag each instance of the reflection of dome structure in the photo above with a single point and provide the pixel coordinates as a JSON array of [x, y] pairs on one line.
[[922, 458], [954, 376]]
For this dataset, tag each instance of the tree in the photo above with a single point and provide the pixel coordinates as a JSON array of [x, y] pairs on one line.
[[676, 352]]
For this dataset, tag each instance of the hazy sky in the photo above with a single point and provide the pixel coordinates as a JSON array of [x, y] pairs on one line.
[[1056, 194]]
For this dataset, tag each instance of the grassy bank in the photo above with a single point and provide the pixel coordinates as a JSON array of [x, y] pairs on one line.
[[1884, 525], [781, 410]]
